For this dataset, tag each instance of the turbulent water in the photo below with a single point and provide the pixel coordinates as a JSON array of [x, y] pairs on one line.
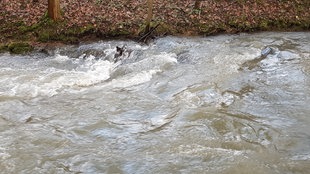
[[178, 105]]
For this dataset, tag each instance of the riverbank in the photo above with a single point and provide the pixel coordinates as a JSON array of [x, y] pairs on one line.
[[26, 22]]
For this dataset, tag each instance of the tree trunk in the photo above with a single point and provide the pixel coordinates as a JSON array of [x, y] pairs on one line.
[[197, 4], [54, 9], [149, 15]]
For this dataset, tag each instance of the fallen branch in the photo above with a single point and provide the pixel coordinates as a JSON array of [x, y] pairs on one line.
[[148, 34]]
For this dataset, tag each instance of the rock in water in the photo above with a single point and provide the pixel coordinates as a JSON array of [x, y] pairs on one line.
[[251, 64], [121, 53], [266, 51]]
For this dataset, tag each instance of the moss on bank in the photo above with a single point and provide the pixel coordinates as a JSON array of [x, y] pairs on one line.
[[19, 47], [16, 48]]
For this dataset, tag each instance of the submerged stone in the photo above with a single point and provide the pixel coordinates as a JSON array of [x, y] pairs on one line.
[[266, 51]]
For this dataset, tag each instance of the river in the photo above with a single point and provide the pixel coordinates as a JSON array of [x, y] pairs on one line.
[[179, 105]]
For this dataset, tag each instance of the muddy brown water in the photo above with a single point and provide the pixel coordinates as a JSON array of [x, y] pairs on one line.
[[178, 105]]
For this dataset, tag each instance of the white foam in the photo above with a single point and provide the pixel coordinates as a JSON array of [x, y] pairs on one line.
[[134, 79], [60, 58], [154, 62], [50, 77], [230, 61], [143, 70], [50, 81], [302, 157]]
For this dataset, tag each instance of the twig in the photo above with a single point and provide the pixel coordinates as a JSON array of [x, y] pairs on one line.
[[146, 35]]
